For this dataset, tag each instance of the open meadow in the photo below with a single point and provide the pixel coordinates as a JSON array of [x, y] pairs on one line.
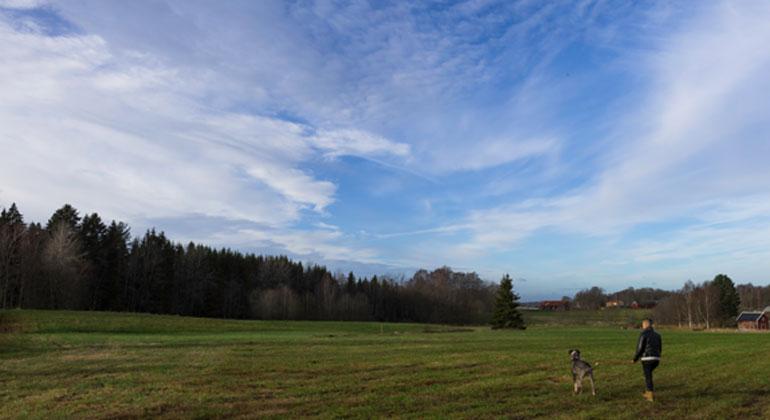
[[117, 365]]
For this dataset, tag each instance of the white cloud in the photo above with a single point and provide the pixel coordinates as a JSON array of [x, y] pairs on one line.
[[362, 74], [294, 184], [356, 142], [21, 4], [695, 148], [121, 133], [325, 244], [482, 153], [75, 138]]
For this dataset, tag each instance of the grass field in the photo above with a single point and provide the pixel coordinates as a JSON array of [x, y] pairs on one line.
[[108, 365], [611, 317]]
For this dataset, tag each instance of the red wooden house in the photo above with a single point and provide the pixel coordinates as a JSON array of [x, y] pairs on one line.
[[753, 321], [555, 305]]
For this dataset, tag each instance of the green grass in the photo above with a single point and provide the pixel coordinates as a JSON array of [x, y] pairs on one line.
[[611, 317], [108, 365]]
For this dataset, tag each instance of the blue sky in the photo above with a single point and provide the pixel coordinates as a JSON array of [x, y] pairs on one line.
[[571, 144]]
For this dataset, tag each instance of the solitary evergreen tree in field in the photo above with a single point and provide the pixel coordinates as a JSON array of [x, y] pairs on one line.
[[506, 314], [729, 301]]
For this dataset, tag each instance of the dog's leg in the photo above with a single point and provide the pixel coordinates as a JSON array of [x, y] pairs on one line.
[[591, 377], [580, 383], [574, 383]]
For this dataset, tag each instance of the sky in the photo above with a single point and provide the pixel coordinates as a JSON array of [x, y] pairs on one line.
[[569, 143]]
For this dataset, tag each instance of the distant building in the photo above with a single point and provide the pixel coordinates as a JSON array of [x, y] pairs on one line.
[[644, 305], [613, 303], [753, 320], [554, 305]]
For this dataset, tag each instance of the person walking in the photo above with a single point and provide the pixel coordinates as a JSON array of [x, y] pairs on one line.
[[648, 349]]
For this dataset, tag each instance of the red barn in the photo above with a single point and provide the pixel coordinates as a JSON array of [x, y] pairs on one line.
[[644, 305], [555, 305], [752, 321]]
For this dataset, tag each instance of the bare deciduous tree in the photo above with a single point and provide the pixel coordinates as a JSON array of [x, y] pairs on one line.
[[281, 303], [687, 292], [63, 258], [706, 303]]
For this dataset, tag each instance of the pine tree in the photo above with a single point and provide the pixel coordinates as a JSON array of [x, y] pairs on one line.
[[12, 231], [92, 236], [66, 214], [350, 286], [116, 241], [729, 301], [505, 313], [11, 217]]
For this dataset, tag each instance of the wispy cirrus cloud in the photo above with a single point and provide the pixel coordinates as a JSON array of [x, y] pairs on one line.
[[125, 134], [413, 72], [21, 4], [354, 142], [693, 150]]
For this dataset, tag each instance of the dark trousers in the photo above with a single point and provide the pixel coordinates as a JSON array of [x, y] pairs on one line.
[[648, 367]]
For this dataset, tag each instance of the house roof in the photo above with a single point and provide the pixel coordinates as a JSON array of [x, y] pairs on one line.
[[749, 316], [553, 302]]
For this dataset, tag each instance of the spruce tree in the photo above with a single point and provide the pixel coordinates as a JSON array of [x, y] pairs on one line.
[[66, 214], [505, 313], [11, 217], [729, 301]]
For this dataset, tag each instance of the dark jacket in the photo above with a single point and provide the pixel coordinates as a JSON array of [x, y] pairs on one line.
[[649, 345]]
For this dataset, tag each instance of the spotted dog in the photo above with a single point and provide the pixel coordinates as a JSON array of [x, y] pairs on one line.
[[581, 369]]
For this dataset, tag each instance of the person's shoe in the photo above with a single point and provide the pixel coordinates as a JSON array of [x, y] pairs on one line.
[[648, 396]]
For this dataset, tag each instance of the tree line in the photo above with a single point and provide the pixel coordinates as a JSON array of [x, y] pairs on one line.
[[713, 303], [595, 297], [84, 263]]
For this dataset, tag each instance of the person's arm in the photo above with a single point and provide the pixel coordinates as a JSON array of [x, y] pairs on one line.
[[640, 346]]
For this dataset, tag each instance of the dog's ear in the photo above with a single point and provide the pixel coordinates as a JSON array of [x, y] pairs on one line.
[[570, 352]]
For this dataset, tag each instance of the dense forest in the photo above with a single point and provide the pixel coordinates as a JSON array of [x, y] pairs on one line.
[[83, 263]]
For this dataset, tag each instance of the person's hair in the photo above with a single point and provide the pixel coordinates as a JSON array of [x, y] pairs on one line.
[[647, 320]]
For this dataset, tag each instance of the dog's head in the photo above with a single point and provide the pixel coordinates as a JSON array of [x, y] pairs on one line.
[[575, 354]]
